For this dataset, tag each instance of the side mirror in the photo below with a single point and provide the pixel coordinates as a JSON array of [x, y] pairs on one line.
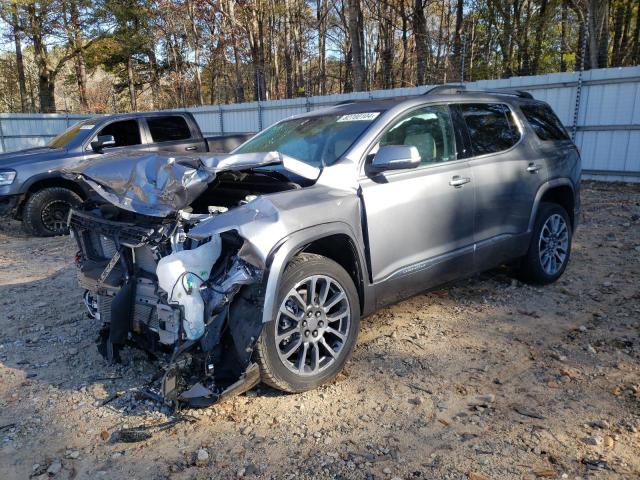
[[395, 157], [103, 141]]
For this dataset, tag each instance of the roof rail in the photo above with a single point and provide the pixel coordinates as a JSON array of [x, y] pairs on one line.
[[460, 87], [345, 102], [446, 88], [507, 91]]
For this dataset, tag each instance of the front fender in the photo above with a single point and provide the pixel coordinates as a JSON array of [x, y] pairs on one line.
[[287, 248], [54, 176]]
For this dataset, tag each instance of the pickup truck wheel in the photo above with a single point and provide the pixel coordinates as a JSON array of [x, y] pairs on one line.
[[550, 246], [315, 329], [45, 212]]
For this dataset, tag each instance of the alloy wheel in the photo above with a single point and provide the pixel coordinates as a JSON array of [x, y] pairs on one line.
[[312, 325], [553, 244]]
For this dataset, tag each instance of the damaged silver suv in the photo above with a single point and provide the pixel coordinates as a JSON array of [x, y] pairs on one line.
[[258, 265]]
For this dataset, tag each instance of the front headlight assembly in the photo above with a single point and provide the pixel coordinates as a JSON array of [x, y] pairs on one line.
[[7, 177]]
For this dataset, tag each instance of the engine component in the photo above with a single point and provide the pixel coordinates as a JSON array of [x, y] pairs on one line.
[[181, 274]]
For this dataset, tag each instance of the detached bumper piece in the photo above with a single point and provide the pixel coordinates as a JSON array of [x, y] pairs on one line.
[[117, 266]]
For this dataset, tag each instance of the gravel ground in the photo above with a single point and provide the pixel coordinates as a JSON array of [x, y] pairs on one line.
[[488, 378]]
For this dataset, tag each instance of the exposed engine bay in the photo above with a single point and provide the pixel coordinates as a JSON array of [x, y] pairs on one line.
[[195, 304]]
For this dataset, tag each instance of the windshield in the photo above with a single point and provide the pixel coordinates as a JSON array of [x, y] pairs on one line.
[[316, 141], [62, 140]]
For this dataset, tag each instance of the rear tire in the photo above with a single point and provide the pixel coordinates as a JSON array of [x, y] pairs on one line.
[[550, 247], [318, 336], [45, 211]]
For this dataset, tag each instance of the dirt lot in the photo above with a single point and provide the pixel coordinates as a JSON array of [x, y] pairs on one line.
[[486, 379]]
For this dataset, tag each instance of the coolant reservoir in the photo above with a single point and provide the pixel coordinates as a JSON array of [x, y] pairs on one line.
[[177, 276]]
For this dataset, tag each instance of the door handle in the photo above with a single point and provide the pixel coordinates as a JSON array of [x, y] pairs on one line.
[[190, 148], [458, 181], [533, 168]]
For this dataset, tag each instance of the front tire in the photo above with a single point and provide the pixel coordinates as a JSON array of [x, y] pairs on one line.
[[315, 329], [45, 212], [550, 247]]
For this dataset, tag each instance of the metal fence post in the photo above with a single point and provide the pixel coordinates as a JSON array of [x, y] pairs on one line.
[[221, 118], [4, 147]]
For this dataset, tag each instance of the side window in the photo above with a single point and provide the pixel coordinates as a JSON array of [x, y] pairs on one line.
[[166, 129], [429, 130], [491, 127], [544, 122], [125, 133]]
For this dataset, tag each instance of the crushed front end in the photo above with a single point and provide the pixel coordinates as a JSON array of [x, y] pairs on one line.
[[195, 305]]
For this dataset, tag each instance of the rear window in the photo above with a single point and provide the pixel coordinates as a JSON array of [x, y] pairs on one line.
[[166, 129], [544, 122], [491, 127]]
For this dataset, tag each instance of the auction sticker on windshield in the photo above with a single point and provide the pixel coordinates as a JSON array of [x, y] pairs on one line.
[[359, 117]]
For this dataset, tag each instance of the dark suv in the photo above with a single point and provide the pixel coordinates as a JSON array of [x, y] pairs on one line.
[[260, 264]]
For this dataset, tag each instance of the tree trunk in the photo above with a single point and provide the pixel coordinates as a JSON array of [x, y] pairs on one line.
[[472, 50], [537, 49], [239, 87], [636, 38], [581, 56], [322, 12], [624, 41], [132, 85], [17, 41], [598, 33], [386, 45], [195, 42], [46, 91], [405, 51], [420, 35], [457, 41], [618, 20], [46, 75], [154, 78], [73, 28], [356, 35], [563, 35], [76, 40], [288, 61]]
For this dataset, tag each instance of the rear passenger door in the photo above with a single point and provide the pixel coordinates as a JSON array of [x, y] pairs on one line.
[[555, 150], [505, 183], [172, 133]]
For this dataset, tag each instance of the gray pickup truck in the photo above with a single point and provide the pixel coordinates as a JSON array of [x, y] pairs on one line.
[[258, 265], [33, 189]]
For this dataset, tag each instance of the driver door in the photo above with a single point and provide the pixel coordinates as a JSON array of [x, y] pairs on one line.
[[420, 221]]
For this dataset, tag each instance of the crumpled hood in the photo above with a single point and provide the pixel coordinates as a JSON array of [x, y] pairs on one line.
[[158, 184]]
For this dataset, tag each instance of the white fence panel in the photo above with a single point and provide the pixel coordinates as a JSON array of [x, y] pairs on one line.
[[608, 123]]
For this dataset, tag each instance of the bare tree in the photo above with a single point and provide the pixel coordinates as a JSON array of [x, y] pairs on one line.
[[356, 35]]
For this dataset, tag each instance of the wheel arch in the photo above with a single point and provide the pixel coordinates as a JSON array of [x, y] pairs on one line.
[[39, 182], [560, 191], [335, 241]]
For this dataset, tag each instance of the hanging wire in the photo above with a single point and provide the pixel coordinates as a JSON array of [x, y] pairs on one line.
[[583, 53]]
